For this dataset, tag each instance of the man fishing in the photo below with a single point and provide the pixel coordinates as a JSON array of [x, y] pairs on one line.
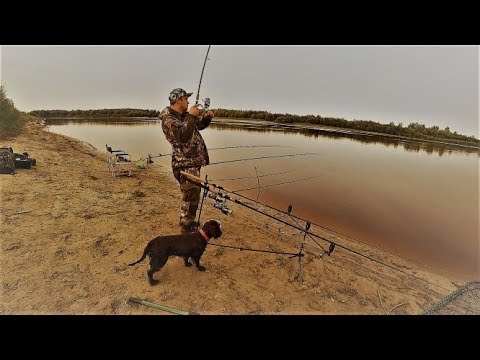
[[189, 153]]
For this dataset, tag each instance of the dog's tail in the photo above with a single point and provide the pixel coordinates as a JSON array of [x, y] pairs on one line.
[[145, 252]]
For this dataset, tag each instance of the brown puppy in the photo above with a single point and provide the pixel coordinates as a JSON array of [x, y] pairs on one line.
[[189, 245]]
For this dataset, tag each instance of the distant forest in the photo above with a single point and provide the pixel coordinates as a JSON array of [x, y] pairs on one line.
[[95, 113], [413, 130]]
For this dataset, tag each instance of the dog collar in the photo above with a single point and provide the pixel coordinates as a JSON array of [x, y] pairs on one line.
[[204, 235]]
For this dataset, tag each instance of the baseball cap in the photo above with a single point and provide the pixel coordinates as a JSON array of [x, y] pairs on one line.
[[177, 93]]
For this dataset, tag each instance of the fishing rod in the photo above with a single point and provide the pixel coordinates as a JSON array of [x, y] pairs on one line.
[[206, 186], [260, 157], [160, 306], [150, 157], [277, 184], [206, 100], [294, 217], [254, 177]]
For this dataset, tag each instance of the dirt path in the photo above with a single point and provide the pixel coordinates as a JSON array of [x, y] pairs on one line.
[[69, 229]]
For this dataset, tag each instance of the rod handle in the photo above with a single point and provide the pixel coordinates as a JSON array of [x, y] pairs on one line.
[[191, 178]]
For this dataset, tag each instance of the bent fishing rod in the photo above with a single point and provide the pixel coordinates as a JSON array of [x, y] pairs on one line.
[[206, 100]]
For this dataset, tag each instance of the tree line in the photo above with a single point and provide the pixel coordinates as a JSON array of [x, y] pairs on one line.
[[413, 130], [95, 113]]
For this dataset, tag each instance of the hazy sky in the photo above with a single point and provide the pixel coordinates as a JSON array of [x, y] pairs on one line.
[[433, 85]]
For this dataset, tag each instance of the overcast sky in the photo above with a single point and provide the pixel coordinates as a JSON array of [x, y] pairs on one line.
[[433, 85]]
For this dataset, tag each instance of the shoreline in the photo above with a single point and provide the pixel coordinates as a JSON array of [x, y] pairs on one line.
[[69, 229], [293, 126]]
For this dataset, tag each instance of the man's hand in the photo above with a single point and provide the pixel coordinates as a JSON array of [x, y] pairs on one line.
[[194, 110], [209, 114]]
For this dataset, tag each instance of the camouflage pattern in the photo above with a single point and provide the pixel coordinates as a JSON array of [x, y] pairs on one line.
[[176, 94], [7, 163], [189, 154], [190, 197], [183, 132]]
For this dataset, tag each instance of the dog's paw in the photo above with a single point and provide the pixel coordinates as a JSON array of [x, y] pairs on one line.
[[154, 282], [187, 264], [201, 268]]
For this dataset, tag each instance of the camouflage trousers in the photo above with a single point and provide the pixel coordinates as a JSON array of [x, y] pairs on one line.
[[190, 196]]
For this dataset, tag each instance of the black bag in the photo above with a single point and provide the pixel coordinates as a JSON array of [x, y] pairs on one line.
[[32, 160], [21, 161]]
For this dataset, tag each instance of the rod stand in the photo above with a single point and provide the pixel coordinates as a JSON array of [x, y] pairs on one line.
[[205, 193]]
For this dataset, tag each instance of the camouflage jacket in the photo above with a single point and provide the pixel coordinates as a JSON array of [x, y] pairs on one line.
[[182, 131]]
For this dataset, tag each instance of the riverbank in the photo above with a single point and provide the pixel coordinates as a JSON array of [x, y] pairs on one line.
[[69, 229]]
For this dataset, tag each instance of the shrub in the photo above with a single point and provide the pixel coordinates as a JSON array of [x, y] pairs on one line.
[[10, 118]]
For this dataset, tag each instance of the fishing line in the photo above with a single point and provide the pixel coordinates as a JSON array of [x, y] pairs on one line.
[[253, 177], [260, 157], [277, 184], [149, 156]]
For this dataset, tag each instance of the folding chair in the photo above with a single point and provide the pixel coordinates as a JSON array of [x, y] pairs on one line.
[[119, 162]]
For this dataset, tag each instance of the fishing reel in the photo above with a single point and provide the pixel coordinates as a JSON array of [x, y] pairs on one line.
[[205, 106], [220, 203], [149, 157]]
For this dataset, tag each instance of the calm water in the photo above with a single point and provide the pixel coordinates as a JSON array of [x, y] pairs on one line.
[[417, 200]]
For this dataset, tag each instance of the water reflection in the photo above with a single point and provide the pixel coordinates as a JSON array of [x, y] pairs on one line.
[[103, 121], [408, 145], [265, 127]]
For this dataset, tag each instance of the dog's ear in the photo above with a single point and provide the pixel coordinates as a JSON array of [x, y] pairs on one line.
[[218, 229], [207, 227]]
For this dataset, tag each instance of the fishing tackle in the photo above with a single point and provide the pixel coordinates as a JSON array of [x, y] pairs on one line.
[[220, 203], [150, 156], [206, 101], [221, 191], [331, 248]]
